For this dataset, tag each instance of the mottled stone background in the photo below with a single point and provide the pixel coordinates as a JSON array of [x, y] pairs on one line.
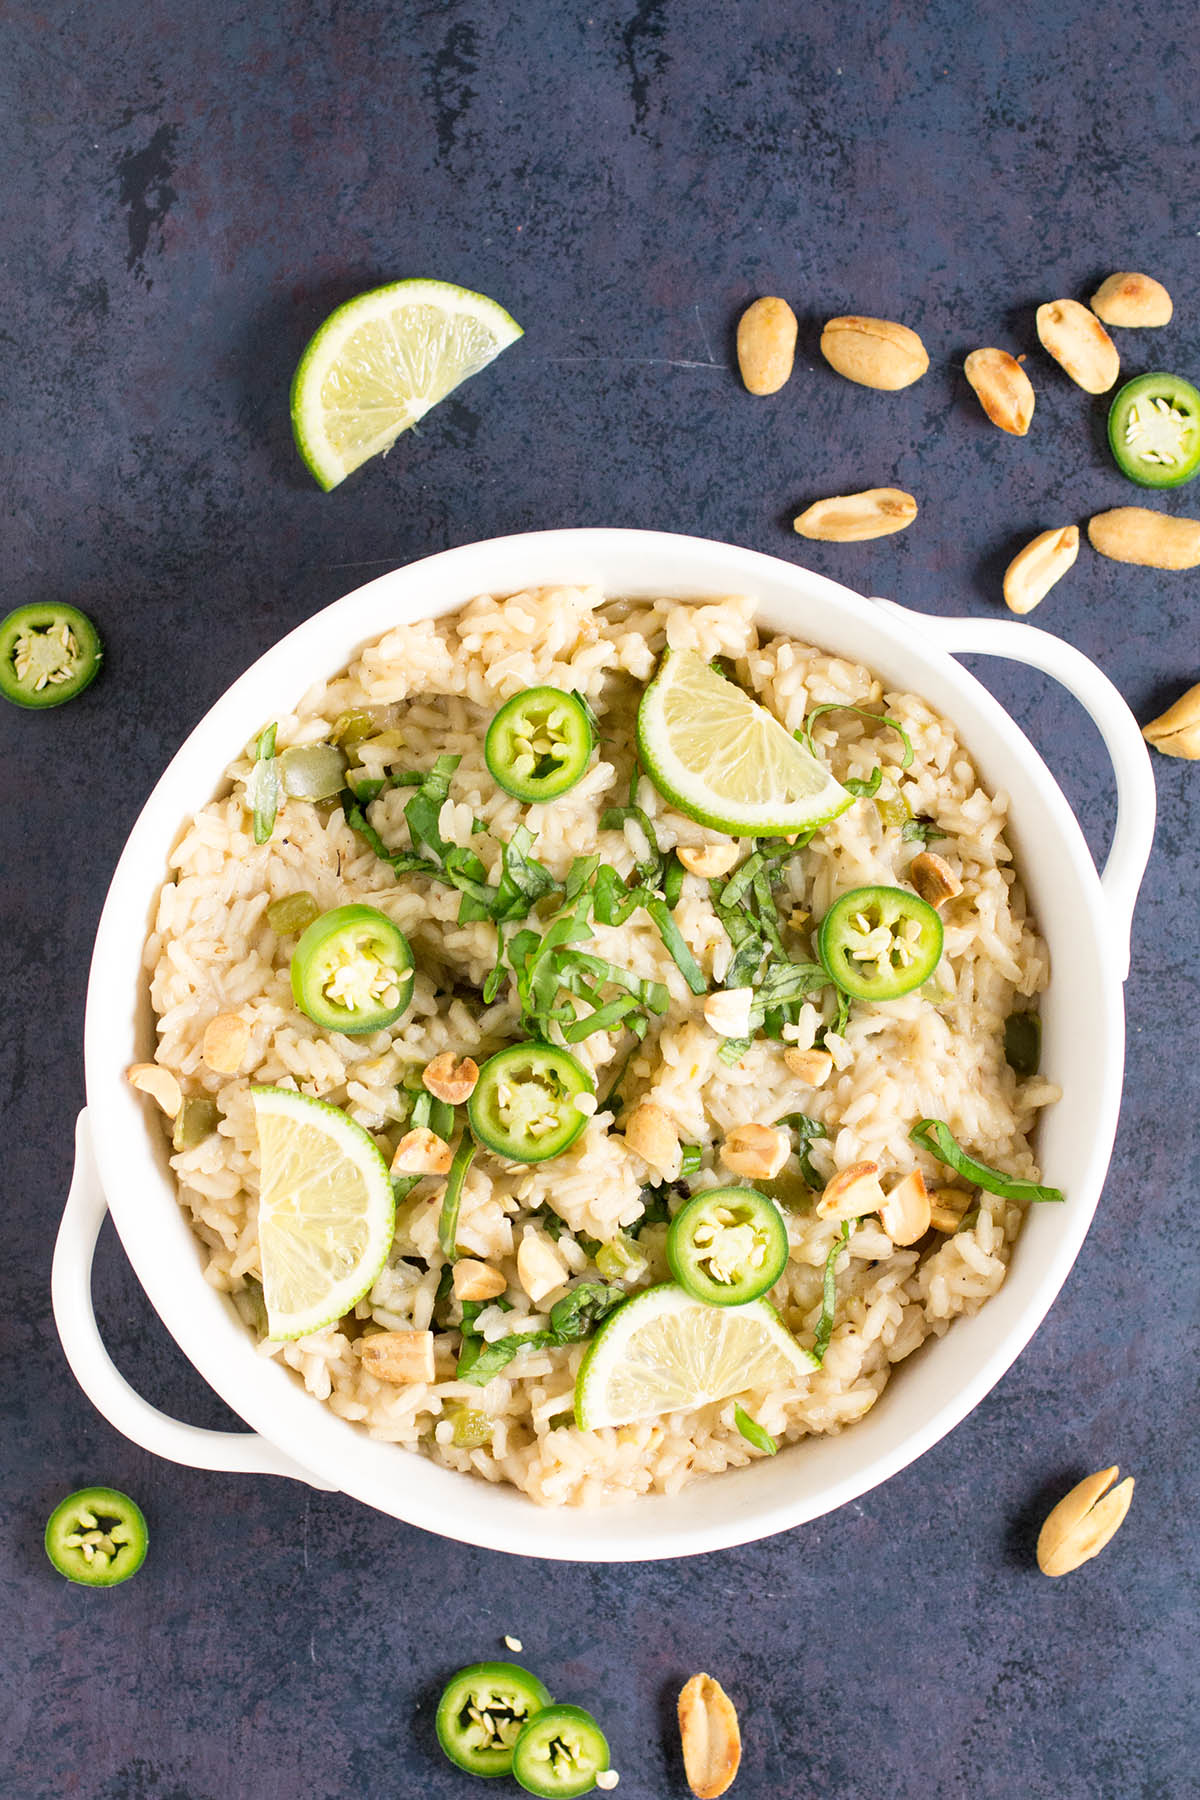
[[189, 190]]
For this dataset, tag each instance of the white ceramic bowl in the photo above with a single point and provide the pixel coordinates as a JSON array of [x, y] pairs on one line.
[[121, 1158]]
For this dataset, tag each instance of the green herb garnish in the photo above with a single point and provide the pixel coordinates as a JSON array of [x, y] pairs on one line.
[[1023, 1042], [805, 732], [920, 830], [572, 1320], [753, 1432], [806, 1129], [935, 1136], [829, 1293], [452, 1198]]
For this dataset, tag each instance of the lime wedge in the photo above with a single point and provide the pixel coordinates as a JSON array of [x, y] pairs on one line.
[[326, 1213], [724, 760], [662, 1351], [381, 361]]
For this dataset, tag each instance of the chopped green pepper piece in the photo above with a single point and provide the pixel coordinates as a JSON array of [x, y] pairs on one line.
[[472, 1427], [312, 771], [292, 913], [195, 1120]]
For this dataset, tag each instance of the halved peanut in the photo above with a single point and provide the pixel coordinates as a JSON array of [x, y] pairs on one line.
[[399, 1356], [876, 353], [226, 1041], [450, 1080], [812, 1066], [1129, 299], [727, 1011], [852, 1193], [1135, 534], [766, 344], [159, 1083], [1177, 731], [477, 1280], [1077, 340], [933, 878], [540, 1269], [905, 1212], [421, 1152], [1034, 570], [1004, 389], [758, 1151], [1082, 1523], [947, 1209], [852, 518], [708, 860], [710, 1736], [651, 1134]]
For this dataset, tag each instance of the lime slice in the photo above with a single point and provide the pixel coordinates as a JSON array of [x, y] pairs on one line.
[[662, 1351], [326, 1213], [380, 362], [724, 760]]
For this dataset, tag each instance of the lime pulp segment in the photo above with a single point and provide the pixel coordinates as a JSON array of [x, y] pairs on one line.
[[377, 365], [724, 760]]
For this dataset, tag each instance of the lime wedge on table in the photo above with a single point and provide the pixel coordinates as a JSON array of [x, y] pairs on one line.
[[726, 761], [662, 1351], [326, 1212], [380, 362]]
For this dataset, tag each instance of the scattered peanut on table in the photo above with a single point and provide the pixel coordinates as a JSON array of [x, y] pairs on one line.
[[851, 518], [766, 344], [1135, 534], [1078, 342], [1034, 570], [710, 1736], [1083, 1522], [1177, 731], [876, 353], [1004, 389], [1132, 300]]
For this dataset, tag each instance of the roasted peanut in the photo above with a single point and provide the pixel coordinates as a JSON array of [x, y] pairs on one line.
[[766, 344], [159, 1083], [1135, 534], [708, 860], [851, 518], [540, 1269], [1177, 731], [758, 1151], [477, 1280], [1129, 299], [1034, 570], [421, 1152], [651, 1133], [226, 1041], [876, 353], [812, 1066], [905, 1212], [852, 1193], [1077, 340], [450, 1080], [1004, 389], [1082, 1523], [711, 1739], [933, 878], [399, 1356], [727, 1011]]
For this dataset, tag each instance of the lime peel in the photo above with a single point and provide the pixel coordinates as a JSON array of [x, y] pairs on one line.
[[724, 760], [326, 1213]]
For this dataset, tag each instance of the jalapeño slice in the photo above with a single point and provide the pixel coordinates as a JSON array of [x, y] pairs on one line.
[[97, 1537], [48, 654], [524, 1104], [352, 971], [878, 943], [727, 1245], [482, 1712], [1154, 430], [560, 1753], [538, 744]]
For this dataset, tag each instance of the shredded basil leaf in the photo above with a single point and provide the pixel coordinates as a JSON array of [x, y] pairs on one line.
[[675, 946], [690, 1158], [650, 866], [672, 881], [263, 786], [753, 1432], [1023, 1042], [588, 714], [935, 1136], [452, 1198], [920, 830], [576, 1315], [805, 732], [829, 1293], [441, 1119], [864, 790], [806, 1129], [480, 1363]]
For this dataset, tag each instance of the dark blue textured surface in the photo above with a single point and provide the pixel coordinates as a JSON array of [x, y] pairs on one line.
[[189, 190]]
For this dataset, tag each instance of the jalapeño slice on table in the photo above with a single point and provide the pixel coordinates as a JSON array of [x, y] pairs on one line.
[[352, 971], [482, 1712], [538, 744], [878, 943], [727, 1245], [48, 654], [1154, 430], [524, 1105], [560, 1753], [97, 1537]]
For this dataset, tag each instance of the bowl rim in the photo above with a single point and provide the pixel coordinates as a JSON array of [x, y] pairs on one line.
[[282, 1411]]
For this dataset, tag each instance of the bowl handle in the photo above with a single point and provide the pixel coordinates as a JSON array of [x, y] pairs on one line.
[[1125, 865], [236, 1452]]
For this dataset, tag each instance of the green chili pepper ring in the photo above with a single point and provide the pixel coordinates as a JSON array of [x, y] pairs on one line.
[[352, 971], [878, 943], [482, 1712], [524, 1103], [1154, 430], [538, 744], [97, 1537], [48, 654], [560, 1753], [727, 1246]]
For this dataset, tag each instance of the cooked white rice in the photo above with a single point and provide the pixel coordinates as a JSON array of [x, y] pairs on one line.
[[433, 686]]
